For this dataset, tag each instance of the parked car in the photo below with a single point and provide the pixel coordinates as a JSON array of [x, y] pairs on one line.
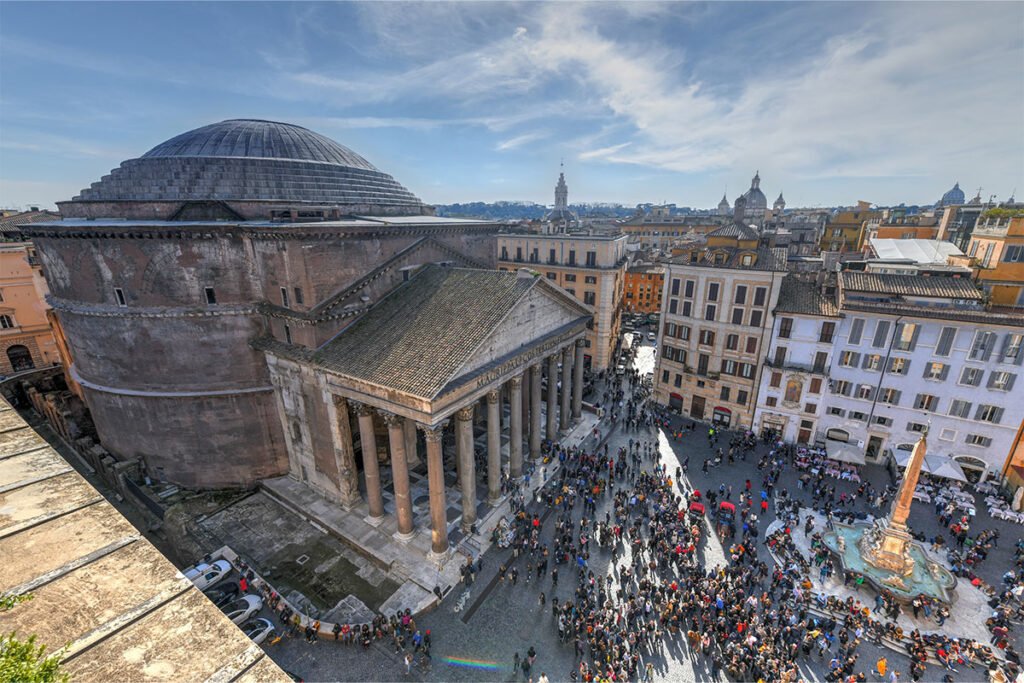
[[651, 336], [258, 629], [205, 575], [243, 608], [620, 369], [222, 593]]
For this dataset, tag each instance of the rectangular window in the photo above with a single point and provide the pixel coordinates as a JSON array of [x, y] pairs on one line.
[[678, 381], [591, 259], [838, 412], [883, 421], [709, 312], [983, 344], [590, 279], [675, 287], [890, 396], [988, 413], [849, 359], [858, 416], [755, 318], [729, 367], [724, 395], [842, 387], [828, 330], [288, 334], [751, 344], [737, 316], [820, 361], [665, 376], [947, 434], [776, 379], [760, 294], [589, 298], [785, 328], [1000, 380], [684, 333], [971, 377], [898, 366], [713, 291], [702, 364], [741, 397], [945, 344], [960, 408], [873, 362], [978, 440], [211, 296], [706, 338], [732, 342], [780, 356], [298, 296], [881, 334], [865, 391], [284, 297], [771, 401], [741, 294], [815, 387], [688, 291], [926, 402], [673, 305], [1011, 348], [856, 331], [552, 276], [687, 308], [935, 370], [747, 370], [552, 260], [119, 295], [906, 337], [811, 408], [570, 277]]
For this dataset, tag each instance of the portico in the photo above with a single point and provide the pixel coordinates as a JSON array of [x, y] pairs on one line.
[[448, 346]]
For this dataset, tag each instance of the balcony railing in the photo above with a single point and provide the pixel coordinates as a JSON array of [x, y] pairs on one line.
[[793, 365]]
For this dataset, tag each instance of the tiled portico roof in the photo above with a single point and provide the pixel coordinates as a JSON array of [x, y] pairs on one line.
[[417, 338], [805, 298]]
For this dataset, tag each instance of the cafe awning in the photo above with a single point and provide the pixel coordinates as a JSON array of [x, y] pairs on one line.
[[844, 452]]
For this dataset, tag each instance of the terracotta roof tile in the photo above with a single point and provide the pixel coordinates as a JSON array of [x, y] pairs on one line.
[[804, 297]]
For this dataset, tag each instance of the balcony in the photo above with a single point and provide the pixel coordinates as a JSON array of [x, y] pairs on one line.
[[793, 365]]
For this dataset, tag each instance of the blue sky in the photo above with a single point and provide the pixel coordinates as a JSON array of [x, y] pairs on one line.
[[833, 102]]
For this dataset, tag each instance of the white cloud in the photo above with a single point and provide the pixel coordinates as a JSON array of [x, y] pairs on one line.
[[519, 141]]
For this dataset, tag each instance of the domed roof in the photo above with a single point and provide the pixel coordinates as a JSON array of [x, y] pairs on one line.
[[260, 139], [953, 196], [247, 160]]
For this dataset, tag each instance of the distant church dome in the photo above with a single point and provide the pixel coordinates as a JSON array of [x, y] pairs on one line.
[[253, 160], [954, 196], [780, 204], [757, 203]]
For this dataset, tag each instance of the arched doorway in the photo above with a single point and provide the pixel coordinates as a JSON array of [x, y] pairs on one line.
[[675, 402], [721, 416], [974, 468], [20, 358]]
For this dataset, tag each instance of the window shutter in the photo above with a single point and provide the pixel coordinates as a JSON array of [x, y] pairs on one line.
[[1009, 382], [927, 370], [1005, 347], [963, 375], [892, 362], [991, 379], [871, 394], [867, 360], [945, 341], [990, 344], [881, 332], [977, 413], [913, 337], [998, 416], [906, 366], [898, 333], [857, 331], [945, 372], [896, 398], [1020, 357], [855, 361]]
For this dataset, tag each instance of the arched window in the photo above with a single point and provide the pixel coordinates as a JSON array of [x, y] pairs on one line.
[[6, 322], [20, 357], [838, 435]]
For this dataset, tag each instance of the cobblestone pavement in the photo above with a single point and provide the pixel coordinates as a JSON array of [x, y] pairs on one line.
[[477, 631]]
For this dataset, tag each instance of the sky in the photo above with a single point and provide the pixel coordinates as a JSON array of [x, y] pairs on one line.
[[642, 102]]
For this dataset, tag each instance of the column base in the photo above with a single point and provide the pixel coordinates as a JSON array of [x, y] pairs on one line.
[[374, 521], [467, 527], [404, 538], [495, 501], [438, 559]]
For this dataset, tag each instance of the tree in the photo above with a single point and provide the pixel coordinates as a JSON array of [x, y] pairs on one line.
[[23, 660]]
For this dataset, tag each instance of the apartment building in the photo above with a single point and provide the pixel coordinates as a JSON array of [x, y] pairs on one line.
[[715, 323], [917, 353], [794, 379], [997, 250], [590, 267], [644, 285]]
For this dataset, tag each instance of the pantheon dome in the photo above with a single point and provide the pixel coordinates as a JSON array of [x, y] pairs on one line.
[[250, 160]]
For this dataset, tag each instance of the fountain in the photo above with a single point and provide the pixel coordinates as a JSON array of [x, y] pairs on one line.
[[886, 554]]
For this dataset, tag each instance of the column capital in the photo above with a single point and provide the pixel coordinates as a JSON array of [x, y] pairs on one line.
[[390, 419], [492, 396], [566, 351], [361, 409], [535, 370], [516, 382], [580, 343], [464, 414], [432, 434]]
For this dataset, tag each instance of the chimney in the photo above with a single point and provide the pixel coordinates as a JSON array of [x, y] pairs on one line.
[[739, 212]]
